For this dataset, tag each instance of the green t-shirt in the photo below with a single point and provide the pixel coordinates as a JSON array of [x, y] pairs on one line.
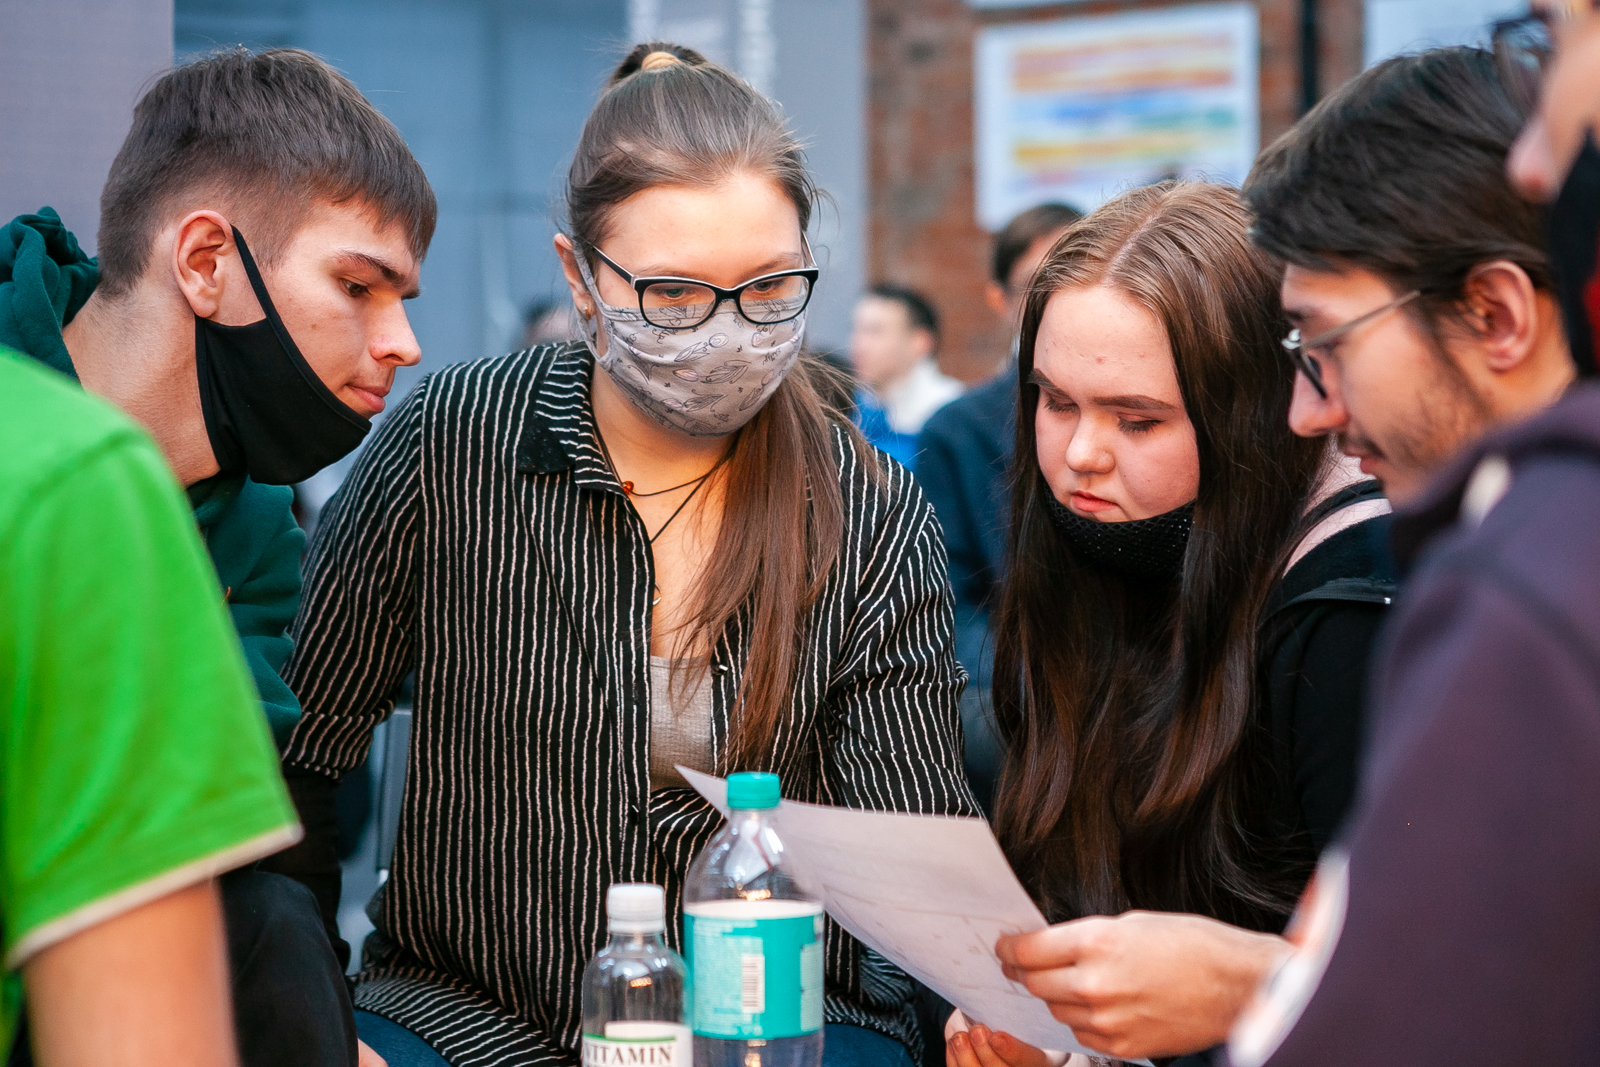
[[134, 759]]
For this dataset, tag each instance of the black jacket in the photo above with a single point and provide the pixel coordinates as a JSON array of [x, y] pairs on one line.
[[1316, 636], [963, 455], [1297, 757]]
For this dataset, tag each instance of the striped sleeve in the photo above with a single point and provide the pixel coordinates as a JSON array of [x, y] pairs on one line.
[[353, 639], [894, 735], [493, 1036], [895, 683]]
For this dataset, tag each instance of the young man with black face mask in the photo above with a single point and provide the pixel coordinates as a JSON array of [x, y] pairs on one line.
[[259, 229], [1458, 920]]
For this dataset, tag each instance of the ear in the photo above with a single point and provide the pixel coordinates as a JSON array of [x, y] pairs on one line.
[[926, 343], [569, 267], [994, 294], [201, 252], [1503, 312]]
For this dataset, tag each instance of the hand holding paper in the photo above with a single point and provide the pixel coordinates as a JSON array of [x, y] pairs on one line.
[[931, 894], [1155, 983]]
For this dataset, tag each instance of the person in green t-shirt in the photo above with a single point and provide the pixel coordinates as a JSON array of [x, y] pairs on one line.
[[260, 228], [135, 765]]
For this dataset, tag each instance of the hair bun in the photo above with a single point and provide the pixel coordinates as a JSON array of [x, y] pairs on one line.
[[652, 56], [658, 60]]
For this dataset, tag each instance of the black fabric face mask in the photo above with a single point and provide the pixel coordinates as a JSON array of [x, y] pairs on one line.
[[1138, 548], [267, 413], [1573, 230]]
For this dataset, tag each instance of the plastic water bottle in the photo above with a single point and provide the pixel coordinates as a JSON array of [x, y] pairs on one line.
[[753, 938], [635, 1011]]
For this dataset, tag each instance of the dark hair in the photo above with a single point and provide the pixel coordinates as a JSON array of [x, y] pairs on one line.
[[1127, 705], [1402, 172], [688, 122], [685, 121], [1018, 235], [834, 377], [266, 134], [919, 309]]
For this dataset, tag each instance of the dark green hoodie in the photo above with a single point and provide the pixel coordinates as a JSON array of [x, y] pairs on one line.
[[254, 540]]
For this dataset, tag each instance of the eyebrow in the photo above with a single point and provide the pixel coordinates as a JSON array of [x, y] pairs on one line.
[[1135, 402], [787, 261], [1130, 402], [390, 274]]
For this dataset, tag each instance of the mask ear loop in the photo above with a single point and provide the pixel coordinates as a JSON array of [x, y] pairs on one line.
[[289, 347], [591, 320]]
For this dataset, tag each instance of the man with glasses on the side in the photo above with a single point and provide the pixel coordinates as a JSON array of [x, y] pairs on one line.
[[1458, 919], [1421, 293]]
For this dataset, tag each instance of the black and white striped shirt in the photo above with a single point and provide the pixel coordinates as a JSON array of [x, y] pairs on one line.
[[483, 539]]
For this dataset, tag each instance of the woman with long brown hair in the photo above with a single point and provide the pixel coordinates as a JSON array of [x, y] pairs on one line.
[[1181, 640], [604, 559]]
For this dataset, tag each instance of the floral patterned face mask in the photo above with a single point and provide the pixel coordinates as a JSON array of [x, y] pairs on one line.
[[707, 381]]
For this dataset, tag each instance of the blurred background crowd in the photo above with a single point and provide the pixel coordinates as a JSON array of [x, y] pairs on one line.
[[928, 122], [955, 140]]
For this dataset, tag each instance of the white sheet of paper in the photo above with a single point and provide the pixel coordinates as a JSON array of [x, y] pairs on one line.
[[932, 894]]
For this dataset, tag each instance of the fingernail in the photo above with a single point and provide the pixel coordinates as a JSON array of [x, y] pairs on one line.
[[980, 1036], [1001, 1040]]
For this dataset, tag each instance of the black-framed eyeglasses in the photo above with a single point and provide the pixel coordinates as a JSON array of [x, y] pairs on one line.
[[1522, 48], [1305, 356], [684, 303]]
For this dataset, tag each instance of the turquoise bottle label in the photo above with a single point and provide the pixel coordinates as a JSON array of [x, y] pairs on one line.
[[756, 967]]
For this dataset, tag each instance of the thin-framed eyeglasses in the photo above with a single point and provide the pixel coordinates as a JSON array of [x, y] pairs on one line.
[[1522, 49], [673, 303], [1305, 354]]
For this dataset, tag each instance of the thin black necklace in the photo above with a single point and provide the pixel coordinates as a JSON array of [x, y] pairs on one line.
[[698, 482], [627, 490], [627, 487]]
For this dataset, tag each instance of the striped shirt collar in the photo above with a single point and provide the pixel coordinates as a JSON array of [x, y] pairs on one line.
[[559, 434]]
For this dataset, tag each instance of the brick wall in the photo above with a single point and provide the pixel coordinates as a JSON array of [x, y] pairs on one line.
[[921, 226]]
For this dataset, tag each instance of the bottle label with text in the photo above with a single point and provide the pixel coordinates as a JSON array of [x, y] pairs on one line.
[[639, 1044], [756, 967]]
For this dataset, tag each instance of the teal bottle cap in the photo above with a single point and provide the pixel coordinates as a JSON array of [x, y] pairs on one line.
[[753, 791]]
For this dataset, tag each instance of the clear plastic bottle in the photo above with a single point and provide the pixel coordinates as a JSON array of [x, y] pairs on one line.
[[635, 1005], [753, 937]]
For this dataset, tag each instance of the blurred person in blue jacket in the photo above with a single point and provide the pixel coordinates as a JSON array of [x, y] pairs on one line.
[[894, 342], [963, 455], [259, 229]]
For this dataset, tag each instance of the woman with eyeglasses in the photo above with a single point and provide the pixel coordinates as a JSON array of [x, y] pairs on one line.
[[1182, 634], [652, 548]]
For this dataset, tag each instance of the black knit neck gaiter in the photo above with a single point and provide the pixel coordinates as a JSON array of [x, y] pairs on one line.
[[1138, 548]]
